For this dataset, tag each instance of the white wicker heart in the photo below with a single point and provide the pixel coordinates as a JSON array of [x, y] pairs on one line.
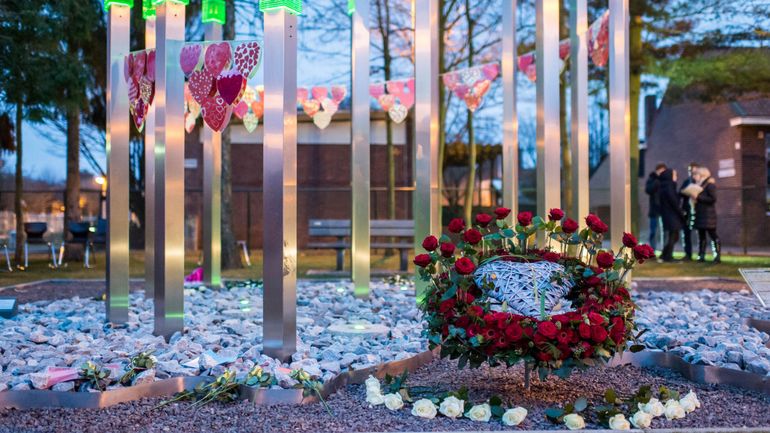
[[521, 285]]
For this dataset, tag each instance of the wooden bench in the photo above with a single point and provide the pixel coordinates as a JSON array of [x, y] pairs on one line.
[[340, 229]]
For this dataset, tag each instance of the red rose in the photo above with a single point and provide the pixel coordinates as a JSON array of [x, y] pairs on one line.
[[468, 298], [464, 266], [591, 219], [514, 332], [588, 350], [489, 334], [525, 218], [422, 260], [629, 240], [547, 329], [446, 306], [555, 214], [550, 256], [502, 212], [618, 331], [584, 330], [501, 343], [564, 336], [462, 321], [605, 260], [598, 333], [643, 252], [569, 226], [483, 219], [472, 236], [599, 227], [430, 243], [475, 311], [595, 318], [447, 249], [543, 356], [564, 351], [592, 281], [456, 225]]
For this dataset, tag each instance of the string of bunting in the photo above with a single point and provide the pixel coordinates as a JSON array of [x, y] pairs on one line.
[[321, 102], [395, 97], [139, 74]]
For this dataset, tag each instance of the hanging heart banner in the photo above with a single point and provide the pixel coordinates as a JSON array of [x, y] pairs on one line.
[[251, 107], [321, 103], [139, 74], [395, 97], [472, 84], [598, 40]]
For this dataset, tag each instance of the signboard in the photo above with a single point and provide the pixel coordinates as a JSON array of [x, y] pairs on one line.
[[726, 168], [759, 282]]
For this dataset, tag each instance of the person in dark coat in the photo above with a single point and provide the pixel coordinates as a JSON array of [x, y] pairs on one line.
[[670, 212], [689, 212], [652, 187], [706, 215]]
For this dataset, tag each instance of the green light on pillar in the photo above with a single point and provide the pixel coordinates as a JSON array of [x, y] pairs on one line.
[[160, 2], [292, 6], [214, 11], [108, 3], [351, 7], [148, 9]]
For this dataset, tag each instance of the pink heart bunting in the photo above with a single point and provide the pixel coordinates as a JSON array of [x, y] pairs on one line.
[[128, 67], [146, 90], [133, 89], [338, 94], [247, 57], [410, 85], [311, 107], [250, 122], [241, 109], [189, 122], [386, 101], [407, 100], [472, 101], [482, 87], [564, 48], [217, 57], [329, 106], [258, 108], [190, 58], [231, 85], [140, 60], [302, 95], [216, 113], [150, 73], [376, 90], [319, 92], [395, 88], [461, 91], [322, 119], [525, 60], [201, 85], [490, 71], [139, 113], [531, 72], [451, 80], [398, 113]]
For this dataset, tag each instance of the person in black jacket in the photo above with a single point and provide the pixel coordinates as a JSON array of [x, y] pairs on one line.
[[652, 187], [670, 212], [689, 212], [706, 215]]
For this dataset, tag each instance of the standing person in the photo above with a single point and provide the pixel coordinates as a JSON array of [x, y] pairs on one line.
[[670, 212], [706, 215], [689, 215], [652, 188]]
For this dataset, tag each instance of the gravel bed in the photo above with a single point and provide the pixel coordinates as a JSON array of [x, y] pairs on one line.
[[721, 407], [686, 285], [52, 290]]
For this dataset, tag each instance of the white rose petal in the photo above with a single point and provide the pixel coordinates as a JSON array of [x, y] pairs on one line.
[[393, 401], [619, 422], [480, 412], [372, 384], [424, 408], [452, 407], [674, 410], [514, 416], [641, 419], [691, 400], [653, 407], [375, 398], [574, 421]]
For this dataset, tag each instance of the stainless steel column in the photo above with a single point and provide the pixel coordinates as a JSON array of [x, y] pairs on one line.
[[212, 192], [360, 152], [117, 135], [149, 179], [578, 16], [510, 118], [426, 204], [169, 170], [620, 124], [548, 135], [280, 184]]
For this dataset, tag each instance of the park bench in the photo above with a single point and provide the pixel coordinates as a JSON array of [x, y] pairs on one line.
[[340, 230]]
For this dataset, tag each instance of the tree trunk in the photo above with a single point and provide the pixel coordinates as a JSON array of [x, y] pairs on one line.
[[635, 84], [72, 191], [441, 97], [385, 30], [566, 154], [471, 183], [17, 202]]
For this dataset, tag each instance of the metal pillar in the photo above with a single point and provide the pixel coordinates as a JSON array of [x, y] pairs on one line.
[[426, 213], [360, 153], [212, 192], [620, 124], [117, 135], [548, 135], [578, 16], [149, 180], [510, 118], [280, 184], [169, 170]]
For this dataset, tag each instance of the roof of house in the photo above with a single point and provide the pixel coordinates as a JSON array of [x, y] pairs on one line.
[[751, 112]]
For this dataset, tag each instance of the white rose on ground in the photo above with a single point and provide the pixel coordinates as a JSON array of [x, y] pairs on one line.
[[480, 412], [514, 416], [690, 402], [452, 407], [375, 398], [619, 422], [653, 407], [674, 410], [574, 421], [641, 419], [372, 385], [424, 408], [393, 401]]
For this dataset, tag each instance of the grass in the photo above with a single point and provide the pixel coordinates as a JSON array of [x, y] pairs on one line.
[[727, 269]]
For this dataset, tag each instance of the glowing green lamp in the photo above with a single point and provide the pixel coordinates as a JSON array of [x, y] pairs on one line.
[[351, 7], [160, 2], [108, 3], [292, 6], [214, 11], [148, 9]]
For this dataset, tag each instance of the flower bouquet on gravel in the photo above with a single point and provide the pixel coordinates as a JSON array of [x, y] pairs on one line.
[[542, 292]]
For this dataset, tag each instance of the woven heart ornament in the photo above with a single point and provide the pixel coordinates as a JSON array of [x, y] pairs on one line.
[[241, 109], [322, 119], [150, 68], [525, 287], [128, 67], [140, 61], [302, 95], [231, 85], [398, 113], [250, 122], [319, 93], [190, 58], [386, 101], [329, 106], [201, 85], [249, 95], [246, 58], [490, 71], [376, 90], [311, 107], [338, 94], [258, 108], [216, 113], [189, 123], [146, 90], [217, 57]]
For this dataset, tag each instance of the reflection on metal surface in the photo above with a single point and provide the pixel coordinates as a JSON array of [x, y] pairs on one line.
[[510, 118], [427, 215], [212, 192], [149, 180], [620, 124], [117, 136], [360, 154], [280, 184], [578, 15], [169, 171]]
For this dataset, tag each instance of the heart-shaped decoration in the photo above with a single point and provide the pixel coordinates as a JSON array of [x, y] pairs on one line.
[[407, 99], [410, 85], [461, 90], [470, 76], [146, 91], [490, 71], [194, 109], [311, 107], [189, 122], [150, 72], [247, 56], [216, 113], [531, 72], [217, 57], [322, 119], [329, 106], [133, 89], [564, 49], [128, 67], [231, 85], [376, 90], [241, 109], [202, 85], [249, 95], [398, 113], [320, 92], [139, 113], [258, 108], [386, 101], [338, 94], [250, 122], [472, 101], [140, 61], [482, 87], [190, 58], [302, 95], [525, 60], [395, 88], [451, 80]]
